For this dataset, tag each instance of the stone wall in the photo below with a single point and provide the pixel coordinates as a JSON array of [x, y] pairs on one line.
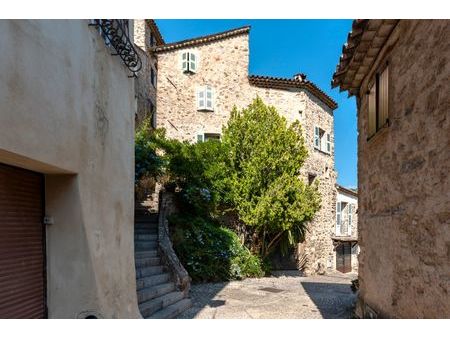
[[145, 90], [403, 174], [223, 65]]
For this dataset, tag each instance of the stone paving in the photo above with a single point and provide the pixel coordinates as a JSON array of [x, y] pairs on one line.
[[328, 296]]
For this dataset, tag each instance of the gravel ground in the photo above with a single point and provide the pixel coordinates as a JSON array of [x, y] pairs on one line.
[[326, 296]]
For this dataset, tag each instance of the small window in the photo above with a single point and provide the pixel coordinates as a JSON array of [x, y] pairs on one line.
[[378, 109], [211, 136], [205, 99], [300, 113], [152, 40], [153, 77], [322, 140], [311, 178], [200, 138], [152, 114], [189, 62]]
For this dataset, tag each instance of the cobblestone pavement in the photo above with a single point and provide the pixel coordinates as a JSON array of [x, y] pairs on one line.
[[327, 296]]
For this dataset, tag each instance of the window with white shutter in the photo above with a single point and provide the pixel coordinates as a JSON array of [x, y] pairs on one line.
[[322, 140], [189, 62], [205, 98]]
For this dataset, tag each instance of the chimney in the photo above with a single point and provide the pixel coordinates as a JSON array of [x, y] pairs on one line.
[[300, 77]]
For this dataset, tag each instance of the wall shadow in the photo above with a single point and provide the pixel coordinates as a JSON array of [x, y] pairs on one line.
[[333, 300]]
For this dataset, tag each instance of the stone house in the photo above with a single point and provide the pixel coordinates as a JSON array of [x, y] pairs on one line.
[[146, 36], [201, 79], [399, 71], [345, 237], [66, 170]]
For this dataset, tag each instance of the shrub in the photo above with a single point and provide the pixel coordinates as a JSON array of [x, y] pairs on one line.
[[211, 253]]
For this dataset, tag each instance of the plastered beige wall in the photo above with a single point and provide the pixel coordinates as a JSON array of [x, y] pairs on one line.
[[404, 227], [223, 65], [68, 111]]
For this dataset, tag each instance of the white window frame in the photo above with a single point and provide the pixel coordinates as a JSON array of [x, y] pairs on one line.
[[189, 61], [205, 98]]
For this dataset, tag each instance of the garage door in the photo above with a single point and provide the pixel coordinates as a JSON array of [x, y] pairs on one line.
[[344, 257], [22, 249]]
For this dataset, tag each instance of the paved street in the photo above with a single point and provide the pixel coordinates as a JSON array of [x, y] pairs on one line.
[[274, 297]]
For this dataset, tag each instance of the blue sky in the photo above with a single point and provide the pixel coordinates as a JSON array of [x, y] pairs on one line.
[[286, 47]]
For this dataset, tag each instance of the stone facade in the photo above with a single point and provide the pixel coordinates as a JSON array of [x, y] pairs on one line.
[[346, 230], [222, 64], [403, 175], [146, 36]]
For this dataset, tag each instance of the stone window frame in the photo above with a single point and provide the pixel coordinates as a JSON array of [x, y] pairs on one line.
[[188, 65], [202, 99], [324, 139]]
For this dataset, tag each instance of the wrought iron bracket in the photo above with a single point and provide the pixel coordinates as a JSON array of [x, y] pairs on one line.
[[116, 35]]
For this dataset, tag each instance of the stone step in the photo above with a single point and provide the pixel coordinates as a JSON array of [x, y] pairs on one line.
[[145, 254], [145, 225], [145, 237], [149, 281], [172, 310], [145, 231], [146, 218], [154, 291], [149, 307], [149, 271], [145, 245], [146, 262]]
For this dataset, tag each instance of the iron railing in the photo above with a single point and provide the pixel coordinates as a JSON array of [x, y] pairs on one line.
[[115, 34]]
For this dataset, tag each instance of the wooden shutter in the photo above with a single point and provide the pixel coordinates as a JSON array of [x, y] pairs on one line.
[[328, 143], [201, 104], [209, 98], [383, 102], [372, 121], [22, 249]]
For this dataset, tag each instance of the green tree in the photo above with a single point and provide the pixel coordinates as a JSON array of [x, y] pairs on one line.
[[262, 156]]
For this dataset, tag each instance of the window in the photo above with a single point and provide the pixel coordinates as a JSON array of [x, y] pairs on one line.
[[153, 77], [205, 99], [322, 140], [208, 136], [311, 178], [152, 114], [152, 40], [378, 103], [300, 113], [189, 62]]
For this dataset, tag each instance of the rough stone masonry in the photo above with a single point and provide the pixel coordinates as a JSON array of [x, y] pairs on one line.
[[222, 64]]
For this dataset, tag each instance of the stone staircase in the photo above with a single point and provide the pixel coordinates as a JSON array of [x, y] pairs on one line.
[[158, 295]]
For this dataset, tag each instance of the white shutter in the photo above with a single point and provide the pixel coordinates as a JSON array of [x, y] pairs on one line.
[[350, 218], [201, 100], [184, 61], [328, 143], [209, 98], [192, 62], [338, 218], [317, 137]]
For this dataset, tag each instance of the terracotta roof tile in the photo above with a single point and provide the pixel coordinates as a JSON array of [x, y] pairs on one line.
[[154, 27], [364, 42], [201, 40], [285, 83]]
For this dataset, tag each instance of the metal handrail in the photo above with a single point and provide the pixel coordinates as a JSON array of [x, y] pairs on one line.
[[115, 34]]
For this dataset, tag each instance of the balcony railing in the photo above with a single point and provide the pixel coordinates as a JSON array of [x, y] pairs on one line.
[[115, 34]]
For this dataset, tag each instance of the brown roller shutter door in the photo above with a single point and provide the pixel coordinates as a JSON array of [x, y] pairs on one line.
[[22, 244]]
